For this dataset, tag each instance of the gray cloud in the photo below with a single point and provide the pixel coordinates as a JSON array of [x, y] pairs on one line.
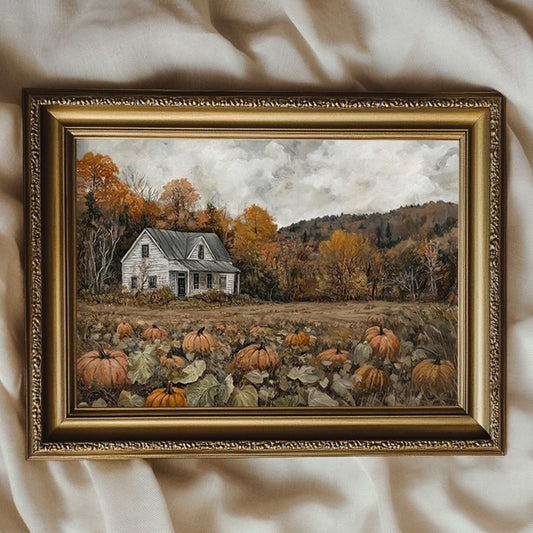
[[296, 179]]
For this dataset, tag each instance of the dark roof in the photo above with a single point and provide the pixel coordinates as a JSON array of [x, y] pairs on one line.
[[208, 266], [178, 244]]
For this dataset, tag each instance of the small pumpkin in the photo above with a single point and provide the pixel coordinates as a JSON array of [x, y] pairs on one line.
[[335, 355], [372, 379], [100, 368], [298, 338], [233, 330], [257, 330], [219, 329], [198, 341], [154, 333], [124, 330], [436, 376], [167, 397], [383, 342], [173, 360], [256, 356]]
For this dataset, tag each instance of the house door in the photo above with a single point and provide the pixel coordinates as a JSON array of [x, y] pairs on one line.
[[181, 285]]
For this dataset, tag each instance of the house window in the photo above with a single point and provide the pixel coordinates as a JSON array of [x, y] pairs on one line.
[[209, 281], [196, 281], [152, 282], [134, 282], [223, 281], [145, 250], [201, 251]]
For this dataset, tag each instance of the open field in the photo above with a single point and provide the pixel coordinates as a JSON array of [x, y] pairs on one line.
[[329, 314], [299, 378]]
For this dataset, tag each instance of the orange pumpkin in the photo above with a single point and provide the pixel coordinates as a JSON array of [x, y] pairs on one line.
[[198, 341], [154, 333], [124, 330], [372, 379], [335, 355], [172, 360], [100, 368], [436, 376], [383, 342], [257, 330], [298, 338], [256, 356], [221, 329], [167, 397]]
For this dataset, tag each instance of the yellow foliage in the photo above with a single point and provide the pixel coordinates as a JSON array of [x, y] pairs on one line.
[[344, 258]]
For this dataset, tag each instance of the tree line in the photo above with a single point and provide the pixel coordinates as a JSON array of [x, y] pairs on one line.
[[112, 211]]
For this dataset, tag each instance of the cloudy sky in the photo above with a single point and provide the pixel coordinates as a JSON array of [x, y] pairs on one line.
[[295, 179]]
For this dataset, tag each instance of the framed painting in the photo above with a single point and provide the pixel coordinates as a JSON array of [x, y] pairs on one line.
[[263, 274]]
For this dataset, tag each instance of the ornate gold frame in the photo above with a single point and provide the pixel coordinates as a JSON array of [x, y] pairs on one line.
[[56, 429]]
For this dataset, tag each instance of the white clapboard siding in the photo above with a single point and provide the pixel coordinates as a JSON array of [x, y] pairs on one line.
[[156, 263], [208, 256], [230, 283]]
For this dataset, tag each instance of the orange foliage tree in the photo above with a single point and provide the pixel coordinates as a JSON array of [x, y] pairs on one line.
[[98, 174], [343, 258], [179, 199], [216, 220], [254, 233], [100, 196], [140, 200]]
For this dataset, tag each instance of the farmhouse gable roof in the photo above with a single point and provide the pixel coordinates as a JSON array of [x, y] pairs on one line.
[[178, 245]]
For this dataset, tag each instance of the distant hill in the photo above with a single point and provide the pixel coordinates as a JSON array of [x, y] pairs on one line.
[[385, 230]]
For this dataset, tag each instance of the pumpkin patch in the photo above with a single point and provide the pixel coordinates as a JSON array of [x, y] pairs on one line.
[[241, 361]]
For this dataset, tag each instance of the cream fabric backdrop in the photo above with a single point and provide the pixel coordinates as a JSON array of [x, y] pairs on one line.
[[293, 45]]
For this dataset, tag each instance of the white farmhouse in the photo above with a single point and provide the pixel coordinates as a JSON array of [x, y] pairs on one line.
[[188, 263]]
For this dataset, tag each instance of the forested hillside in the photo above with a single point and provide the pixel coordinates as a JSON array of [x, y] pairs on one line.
[[433, 220]]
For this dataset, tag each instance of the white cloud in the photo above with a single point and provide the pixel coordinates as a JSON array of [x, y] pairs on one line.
[[296, 179]]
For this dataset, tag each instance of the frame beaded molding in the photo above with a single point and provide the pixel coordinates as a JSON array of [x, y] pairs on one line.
[[34, 285]]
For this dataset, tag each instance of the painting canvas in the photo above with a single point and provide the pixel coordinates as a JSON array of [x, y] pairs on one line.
[[266, 272]]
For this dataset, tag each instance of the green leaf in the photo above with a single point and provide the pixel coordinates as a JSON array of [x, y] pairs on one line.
[[256, 376], [127, 399], [142, 365], [305, 374], [244, 397], [99, 403], [192, 372], [267, 393], [225, 390], [202, 393], [342, 388], [292, 400], [320, 399]]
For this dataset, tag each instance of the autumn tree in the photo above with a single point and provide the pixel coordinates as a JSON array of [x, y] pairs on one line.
[[343, 259], [98, 174], [100, 200], [216, 220], [98, 234], [179, 200], [141, 199], [295, 271], [428, 252], [254, 231]]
